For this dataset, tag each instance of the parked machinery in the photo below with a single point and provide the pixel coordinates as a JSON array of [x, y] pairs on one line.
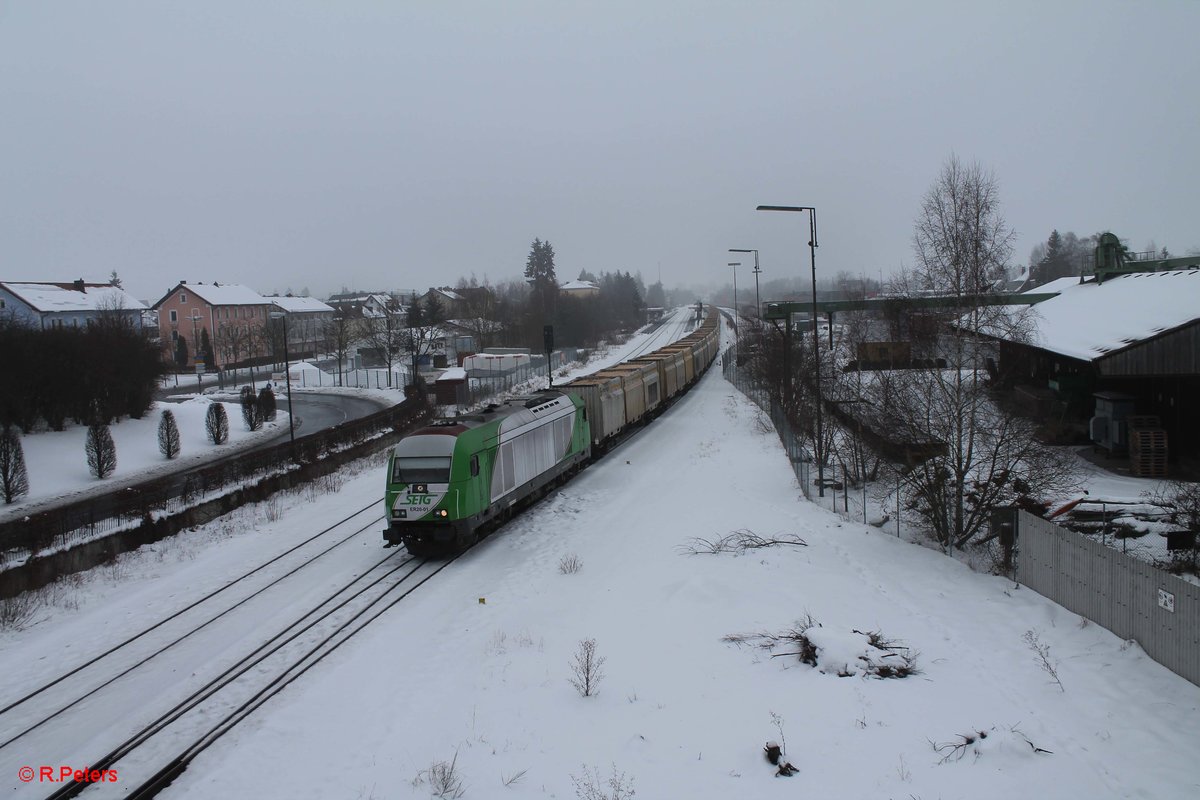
[[456, 479]]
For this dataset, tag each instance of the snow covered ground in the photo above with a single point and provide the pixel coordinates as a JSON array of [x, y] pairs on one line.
[[474, 667], [57, 465]]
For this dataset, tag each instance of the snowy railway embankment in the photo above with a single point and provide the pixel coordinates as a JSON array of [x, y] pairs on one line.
[[39, 548]]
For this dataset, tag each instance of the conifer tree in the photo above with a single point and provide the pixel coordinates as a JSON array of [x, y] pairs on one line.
[[168, 435], [14, 480], [216, 423], [101, 449]]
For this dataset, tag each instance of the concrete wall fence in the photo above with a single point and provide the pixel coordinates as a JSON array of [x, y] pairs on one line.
[[1133, 599]]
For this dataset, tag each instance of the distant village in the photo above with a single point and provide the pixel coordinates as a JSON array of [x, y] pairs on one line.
[[217, 326]]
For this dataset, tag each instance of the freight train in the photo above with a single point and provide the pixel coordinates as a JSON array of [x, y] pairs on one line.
[[456, 479]]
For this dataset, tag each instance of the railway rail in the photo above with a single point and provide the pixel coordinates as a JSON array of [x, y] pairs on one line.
[[40, 719], [292, 651]]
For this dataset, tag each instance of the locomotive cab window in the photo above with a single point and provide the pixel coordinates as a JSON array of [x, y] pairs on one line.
[[474, 465], [421, 469]]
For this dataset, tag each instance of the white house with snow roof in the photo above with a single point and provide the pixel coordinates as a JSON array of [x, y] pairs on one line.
[[580, 289], [307, 319], [74, 304]]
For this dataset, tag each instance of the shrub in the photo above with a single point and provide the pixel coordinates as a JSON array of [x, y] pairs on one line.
[[216, 423], [168, 435], [590, 786], [841, 653], [14, 480], [587, 668], [101, 450], [266, 404], [250, 409]]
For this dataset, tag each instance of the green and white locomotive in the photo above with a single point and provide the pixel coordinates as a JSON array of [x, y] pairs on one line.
[[454, 479]]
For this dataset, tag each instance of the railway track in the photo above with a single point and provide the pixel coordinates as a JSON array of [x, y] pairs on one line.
[[61, 719], [670, 330], [153, 756]]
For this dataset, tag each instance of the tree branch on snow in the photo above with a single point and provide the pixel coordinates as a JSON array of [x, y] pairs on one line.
[[738, 542]]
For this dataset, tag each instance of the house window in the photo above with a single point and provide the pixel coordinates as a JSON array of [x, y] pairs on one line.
[[182, 297], [174, 336], [174, 316]]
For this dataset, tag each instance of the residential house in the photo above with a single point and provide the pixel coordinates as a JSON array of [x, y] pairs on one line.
[[372, 305], [580, 289], [74, 304], [307, 319], [452, 302], [234, 317]]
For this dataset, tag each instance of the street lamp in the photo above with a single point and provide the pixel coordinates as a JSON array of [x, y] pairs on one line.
[[196, 347], [288, 375], [735, 265], [757, 301], [812, 249]]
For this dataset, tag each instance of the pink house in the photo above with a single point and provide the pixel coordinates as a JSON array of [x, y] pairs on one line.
[[234, 317]]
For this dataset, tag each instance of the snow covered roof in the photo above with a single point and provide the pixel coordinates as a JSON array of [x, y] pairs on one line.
[[579, 286], [449, 294], [1088, 320], [300, 305], [226, 294], [1056, 285], [50, 297]]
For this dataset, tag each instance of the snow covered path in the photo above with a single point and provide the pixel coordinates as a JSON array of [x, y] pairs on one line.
[[680, 712]]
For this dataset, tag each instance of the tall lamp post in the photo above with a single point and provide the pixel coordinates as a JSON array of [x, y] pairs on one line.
[[288, 375], [735, 265], [196, 348], [757, 301], [812, 250]]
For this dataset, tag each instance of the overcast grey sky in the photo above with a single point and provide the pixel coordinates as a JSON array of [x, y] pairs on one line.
[[396, 145]]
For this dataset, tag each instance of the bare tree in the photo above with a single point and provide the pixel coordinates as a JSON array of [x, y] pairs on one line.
[[340, 333], [14, 480], [962, 245], [233, 341], [480, 307], [387, 336]]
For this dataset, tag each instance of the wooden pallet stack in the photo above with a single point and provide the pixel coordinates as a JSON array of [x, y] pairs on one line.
[[1147, 447]]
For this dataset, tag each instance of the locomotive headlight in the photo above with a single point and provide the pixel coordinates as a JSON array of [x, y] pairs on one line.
[[443, 513]]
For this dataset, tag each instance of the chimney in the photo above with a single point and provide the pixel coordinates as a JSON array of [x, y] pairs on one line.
[[79, 285]]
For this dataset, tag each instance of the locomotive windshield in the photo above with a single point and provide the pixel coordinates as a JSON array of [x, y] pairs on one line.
[[421, 469]]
